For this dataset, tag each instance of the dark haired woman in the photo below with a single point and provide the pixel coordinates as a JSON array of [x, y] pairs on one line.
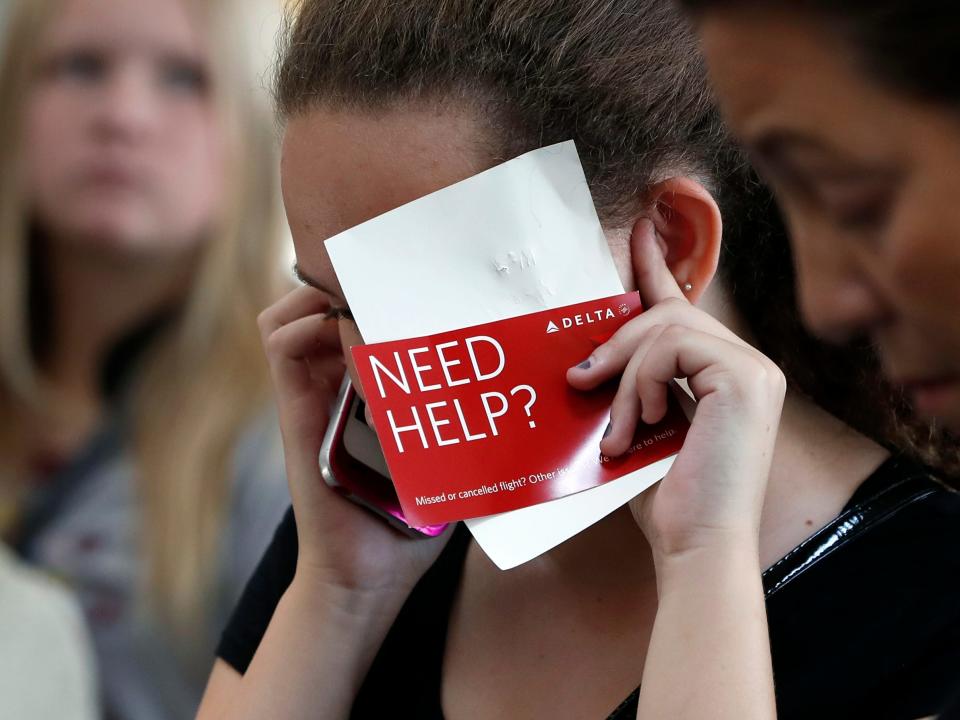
[[849, 109], [387, 102]]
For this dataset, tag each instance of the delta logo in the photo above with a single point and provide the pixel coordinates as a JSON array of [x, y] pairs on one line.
[[587, 318]]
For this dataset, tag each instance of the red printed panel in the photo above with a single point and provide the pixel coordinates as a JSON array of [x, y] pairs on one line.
[[482, 420]]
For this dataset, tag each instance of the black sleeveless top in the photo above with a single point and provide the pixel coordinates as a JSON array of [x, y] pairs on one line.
[[864, 615]]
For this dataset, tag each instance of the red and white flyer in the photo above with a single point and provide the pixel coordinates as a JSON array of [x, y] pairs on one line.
[[481, 420], [520, 238]]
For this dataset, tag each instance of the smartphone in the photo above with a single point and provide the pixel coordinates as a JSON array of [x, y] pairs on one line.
[[352, 463]]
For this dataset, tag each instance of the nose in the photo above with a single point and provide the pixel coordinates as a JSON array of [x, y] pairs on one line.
[[837, 297], [126, 110]]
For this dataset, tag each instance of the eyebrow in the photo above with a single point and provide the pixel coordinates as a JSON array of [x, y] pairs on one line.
[[313, 282], [774, 143], [778, 145], [775, 149]]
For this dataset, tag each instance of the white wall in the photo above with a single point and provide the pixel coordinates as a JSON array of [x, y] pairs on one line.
[[265, 17]]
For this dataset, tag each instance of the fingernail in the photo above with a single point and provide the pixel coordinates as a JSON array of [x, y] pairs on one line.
[[609, 429], [585, 365]]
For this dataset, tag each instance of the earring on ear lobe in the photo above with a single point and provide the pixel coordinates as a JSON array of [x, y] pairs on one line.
[[687, 287]]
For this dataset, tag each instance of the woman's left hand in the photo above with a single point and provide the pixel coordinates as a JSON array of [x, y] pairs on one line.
[[713, 494]]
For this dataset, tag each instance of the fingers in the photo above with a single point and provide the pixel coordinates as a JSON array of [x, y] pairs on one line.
[[610, 359], [303, 352], [731, 372], [292, 348], [327, 373], [624, 352], [736, 375], [296, 304], [654, 279], [626, 409], [303, 338], [684, 353], [293, 329]]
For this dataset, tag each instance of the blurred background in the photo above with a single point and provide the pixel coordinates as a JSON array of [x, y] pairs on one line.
[[141, 233]]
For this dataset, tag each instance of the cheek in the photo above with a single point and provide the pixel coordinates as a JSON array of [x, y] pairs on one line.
[[50, 145], [800, 234], [192, 184], [923, 274], [923, 251], [818, 260]]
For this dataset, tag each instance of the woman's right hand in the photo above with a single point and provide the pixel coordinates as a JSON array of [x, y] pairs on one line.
[[347, 556]]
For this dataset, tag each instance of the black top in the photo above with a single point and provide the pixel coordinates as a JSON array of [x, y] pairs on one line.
[[864, 615], [952, 711]]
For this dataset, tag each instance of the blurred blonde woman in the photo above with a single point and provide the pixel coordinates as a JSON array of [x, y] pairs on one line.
[[138, 240]]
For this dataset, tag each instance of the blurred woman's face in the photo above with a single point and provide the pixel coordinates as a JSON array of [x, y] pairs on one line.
[[868, 181], [122, 145]]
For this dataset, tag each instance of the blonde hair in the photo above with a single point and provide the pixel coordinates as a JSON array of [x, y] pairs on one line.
[[204, 377]]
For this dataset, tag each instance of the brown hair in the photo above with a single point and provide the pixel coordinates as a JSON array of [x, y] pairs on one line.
[[625, 80]]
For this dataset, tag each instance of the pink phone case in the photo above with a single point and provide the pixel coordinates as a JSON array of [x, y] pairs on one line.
[[357, 482]]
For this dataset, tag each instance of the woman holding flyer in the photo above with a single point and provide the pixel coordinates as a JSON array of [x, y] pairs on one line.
[[384, 105]]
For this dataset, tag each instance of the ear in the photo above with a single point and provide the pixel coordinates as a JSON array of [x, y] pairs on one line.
[[686, 222]]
